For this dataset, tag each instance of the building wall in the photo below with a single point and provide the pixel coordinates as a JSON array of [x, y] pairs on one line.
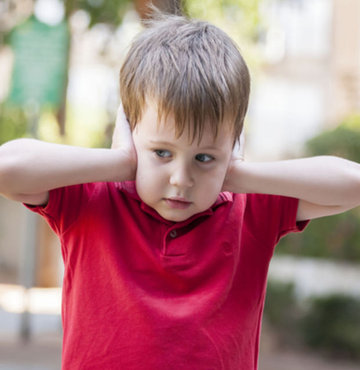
[[310, 80], [345, 90]]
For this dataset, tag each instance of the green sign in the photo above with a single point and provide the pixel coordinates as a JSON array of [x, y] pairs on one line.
[[40, 64]]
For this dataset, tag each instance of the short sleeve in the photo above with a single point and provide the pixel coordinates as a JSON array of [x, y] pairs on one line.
[[270, 217], [64, 206], [288, 208]]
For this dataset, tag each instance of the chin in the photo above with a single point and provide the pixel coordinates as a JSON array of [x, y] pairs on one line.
[[175, 217]]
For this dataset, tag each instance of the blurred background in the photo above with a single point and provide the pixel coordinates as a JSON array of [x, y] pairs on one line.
[[59, 67]]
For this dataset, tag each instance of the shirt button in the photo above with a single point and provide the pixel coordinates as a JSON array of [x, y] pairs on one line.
[[228, 249], [173, 233]]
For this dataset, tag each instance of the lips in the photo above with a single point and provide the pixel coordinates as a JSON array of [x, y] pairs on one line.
[[177, 203]]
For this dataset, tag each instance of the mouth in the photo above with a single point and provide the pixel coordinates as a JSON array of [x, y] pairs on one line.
[[177, 203]]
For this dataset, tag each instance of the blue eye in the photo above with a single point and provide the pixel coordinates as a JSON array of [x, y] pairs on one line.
[[204, 158], [162, 153]]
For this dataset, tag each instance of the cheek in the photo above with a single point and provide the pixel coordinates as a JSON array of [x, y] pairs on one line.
[[216, 180], [149, 173], [212, 181], [144, 168], [220, 172]]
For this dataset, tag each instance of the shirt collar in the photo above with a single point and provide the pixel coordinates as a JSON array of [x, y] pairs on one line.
[[129, 188]]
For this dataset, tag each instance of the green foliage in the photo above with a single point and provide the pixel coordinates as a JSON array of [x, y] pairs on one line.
[[242, 16], [333, 324], [344, 141], [329, 323], [102, 11], [335, 236], [13, 123], [281, 306]]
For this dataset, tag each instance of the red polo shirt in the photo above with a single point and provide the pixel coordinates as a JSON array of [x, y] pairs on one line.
[[141, 292]]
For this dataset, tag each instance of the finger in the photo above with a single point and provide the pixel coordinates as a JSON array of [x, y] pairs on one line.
[[122, 133], [120, 116], [239, 148]]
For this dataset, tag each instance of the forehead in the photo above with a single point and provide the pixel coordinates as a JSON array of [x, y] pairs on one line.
[[151, 129]]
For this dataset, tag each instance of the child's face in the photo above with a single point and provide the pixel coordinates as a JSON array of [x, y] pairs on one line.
[[175, 177]]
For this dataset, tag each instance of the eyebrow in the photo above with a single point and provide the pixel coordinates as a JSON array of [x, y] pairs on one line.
[[161, 143], [170, 144]]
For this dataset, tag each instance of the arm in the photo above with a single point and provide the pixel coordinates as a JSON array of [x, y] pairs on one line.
[[325, 185], [30, 168]]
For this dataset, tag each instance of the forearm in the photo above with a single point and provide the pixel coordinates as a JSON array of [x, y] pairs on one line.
[[325, 180], [31, 166]]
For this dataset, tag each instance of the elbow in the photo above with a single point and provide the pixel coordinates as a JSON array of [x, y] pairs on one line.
[[8, 173], [357, 189], [352, 193], [10, 165]]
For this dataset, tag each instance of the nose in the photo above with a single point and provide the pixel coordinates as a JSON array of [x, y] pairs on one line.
[[181, 176]]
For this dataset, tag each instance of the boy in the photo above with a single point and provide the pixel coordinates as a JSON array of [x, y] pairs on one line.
[[167, 237]]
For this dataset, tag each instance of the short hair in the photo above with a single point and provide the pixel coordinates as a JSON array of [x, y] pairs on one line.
[[191, 69]]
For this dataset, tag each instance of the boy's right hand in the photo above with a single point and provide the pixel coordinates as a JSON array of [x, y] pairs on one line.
[[30, 168], [122, 140]]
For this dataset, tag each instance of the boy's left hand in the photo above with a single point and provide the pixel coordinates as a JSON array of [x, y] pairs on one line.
[[237, 157], [324, 185]]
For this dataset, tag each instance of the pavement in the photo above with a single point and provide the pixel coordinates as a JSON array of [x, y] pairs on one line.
[[40, 353], [41, 349]]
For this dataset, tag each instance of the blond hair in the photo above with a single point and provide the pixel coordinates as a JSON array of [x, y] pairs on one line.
[[191, 69]]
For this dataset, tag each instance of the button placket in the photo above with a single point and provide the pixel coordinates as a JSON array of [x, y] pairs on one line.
[[227, 248], [172, 247]]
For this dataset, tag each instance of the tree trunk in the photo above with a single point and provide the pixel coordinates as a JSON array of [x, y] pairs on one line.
[[169, 6]]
